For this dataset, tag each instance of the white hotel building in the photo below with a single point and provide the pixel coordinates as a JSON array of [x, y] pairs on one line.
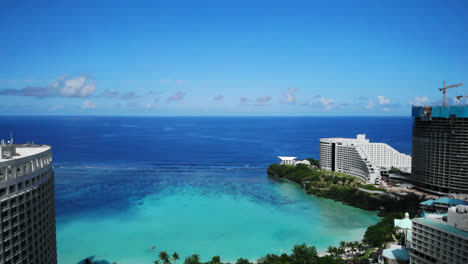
[[360, 158], [27, 205]]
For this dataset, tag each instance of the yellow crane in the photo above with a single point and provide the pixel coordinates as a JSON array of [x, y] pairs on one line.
[[444, 102]]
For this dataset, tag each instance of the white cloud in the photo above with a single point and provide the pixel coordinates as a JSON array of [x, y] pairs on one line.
[[263, 100], [56, 107], [244, 101], [76, 87], [82, 86], [419, 101], [370, 105], [88, 104], [327, 103], [218, 97], [180, 82], [290, 97], [176, 97], [383, 100], [150, 106]]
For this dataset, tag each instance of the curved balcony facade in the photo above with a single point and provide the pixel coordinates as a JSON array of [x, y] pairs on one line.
[[27, 205]]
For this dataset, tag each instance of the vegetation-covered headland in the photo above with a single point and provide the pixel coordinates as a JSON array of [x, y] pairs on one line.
[[346, 189]]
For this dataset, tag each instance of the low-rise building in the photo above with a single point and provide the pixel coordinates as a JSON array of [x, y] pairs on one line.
[[403, 225], [287, 160], [292, 161], [440, 205], [395, 254]]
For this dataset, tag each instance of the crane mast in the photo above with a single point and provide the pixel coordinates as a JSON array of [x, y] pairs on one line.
[[444, 89]]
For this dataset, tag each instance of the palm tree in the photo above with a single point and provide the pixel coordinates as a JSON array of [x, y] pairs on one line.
[[175, 257], [216, 260], [343, 244], [164, 257]]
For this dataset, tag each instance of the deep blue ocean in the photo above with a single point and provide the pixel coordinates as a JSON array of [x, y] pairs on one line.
[[125, 184]]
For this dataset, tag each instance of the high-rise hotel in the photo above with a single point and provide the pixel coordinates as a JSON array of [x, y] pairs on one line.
[[440, 149], [360, 158], [27, 205]]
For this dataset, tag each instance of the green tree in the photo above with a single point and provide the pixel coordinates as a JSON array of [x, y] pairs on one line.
[[378, 234], [194, 259], [275, 259], [164, 257], [343, 244], [303, 254], [243, 261], [216, 260], [87, 261], [175, 257]]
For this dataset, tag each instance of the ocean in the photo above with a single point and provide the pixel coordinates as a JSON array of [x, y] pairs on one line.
[[193, 184]]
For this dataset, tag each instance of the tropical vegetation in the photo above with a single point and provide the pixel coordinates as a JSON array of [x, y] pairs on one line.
[[344, 188]]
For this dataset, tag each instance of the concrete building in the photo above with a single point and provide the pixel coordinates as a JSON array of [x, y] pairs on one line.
[[292, 161], [440, 205], [395, 254], [358, 157], [287, 160], [440, 150], [27, 205], [403, 225], [441, 238]]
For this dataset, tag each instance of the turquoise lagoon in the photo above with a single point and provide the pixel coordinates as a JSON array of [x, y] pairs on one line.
[[245, 216]]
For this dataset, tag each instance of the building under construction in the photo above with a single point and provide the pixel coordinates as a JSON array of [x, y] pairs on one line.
[[440, 149]]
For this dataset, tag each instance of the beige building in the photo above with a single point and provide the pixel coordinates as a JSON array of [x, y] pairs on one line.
[[27, 204]]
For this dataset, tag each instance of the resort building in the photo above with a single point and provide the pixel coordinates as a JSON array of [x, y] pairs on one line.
[[404, 226], [440, 150], [441, 238], [395, 254], [287, 160], [292, 161], [27, 204], [440, 205], [360, 158]]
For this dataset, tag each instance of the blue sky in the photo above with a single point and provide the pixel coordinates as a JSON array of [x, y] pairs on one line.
[[229, 57]]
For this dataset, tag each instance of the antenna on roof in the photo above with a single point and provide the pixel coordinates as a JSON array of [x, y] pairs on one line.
[[11, 138]]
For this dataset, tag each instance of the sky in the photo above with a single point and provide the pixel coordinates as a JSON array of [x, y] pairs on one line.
[[233, 58]]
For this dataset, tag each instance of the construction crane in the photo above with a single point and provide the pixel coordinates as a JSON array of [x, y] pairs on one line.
[[461, 96], [444, 102]]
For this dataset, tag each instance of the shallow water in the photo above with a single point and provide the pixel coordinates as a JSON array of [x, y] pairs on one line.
[[230, 211]]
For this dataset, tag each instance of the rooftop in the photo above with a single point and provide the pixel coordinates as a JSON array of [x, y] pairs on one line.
[[442, 226], [396, 252], [445, 200], [287, 158], [24, 150], [440, 111], [405, 223], [361, 138]]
